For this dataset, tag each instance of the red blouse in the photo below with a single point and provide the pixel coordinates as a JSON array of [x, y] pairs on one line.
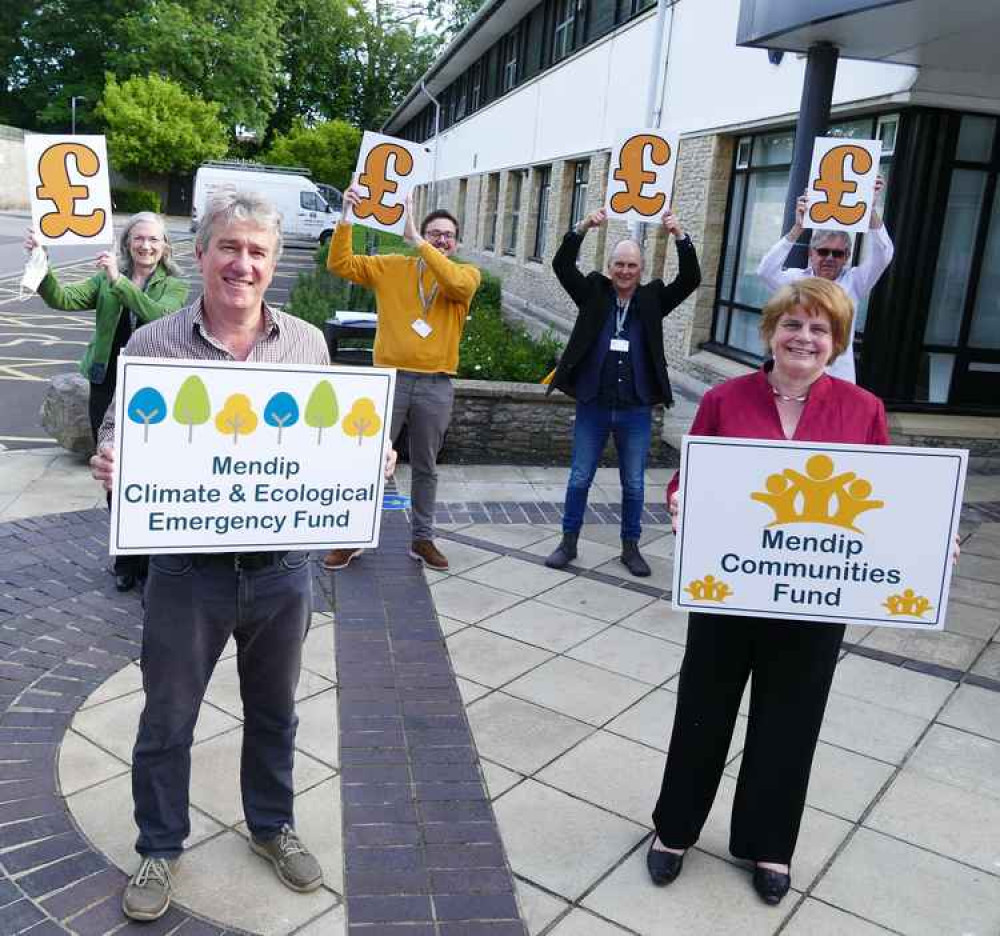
[[745, 407]]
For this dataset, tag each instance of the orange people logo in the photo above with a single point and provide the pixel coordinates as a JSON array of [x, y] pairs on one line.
[[375, 179], [908, 604], [56, 187], [632, 171], [708, 588], [818, 496], [831, 181]]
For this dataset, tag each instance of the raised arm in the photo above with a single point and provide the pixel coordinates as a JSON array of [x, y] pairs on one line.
[[564, 261], [342, 261], [771, 268], [688, 271]]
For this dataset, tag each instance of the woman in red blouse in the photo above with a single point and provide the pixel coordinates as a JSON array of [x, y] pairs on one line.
[[806, 325]]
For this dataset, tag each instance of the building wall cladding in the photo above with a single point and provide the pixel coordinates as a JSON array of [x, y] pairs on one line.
[[13, 170]]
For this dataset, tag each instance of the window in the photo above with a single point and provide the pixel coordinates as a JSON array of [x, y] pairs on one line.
[[514, 186], [542, 214], [534, 42], [578, 201], [509, 75], [492, 202], [565, 27], [475, 86], [600, 18], [310, 201], [463, 197], [761, 165]]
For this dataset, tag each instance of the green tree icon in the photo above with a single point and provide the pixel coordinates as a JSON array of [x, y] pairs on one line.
[[192, 406], [322, 409]]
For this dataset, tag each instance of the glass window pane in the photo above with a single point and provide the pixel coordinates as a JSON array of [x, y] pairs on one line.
[[975, 138], [721, 321], [732, 235], [744, 332], [985, 331], [958, 237], [934, 379], [773, 149], [852, 129], [761, 230], [600, 18]]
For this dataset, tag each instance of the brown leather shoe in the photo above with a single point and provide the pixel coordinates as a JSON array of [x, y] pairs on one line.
[[426, 552], [339, 558]]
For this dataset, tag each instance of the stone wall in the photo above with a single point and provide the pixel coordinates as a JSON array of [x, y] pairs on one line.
[[13, 170], [520, 424]]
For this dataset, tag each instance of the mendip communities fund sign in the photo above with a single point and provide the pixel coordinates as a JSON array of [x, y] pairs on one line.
[[817, 532], [247, 457]]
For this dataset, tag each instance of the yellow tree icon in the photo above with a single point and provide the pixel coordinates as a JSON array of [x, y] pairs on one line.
[[362, 420], [236, 417]]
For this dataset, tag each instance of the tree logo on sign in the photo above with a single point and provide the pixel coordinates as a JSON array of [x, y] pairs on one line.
[[53, 174], [632, 171], [375, 179], [831, 181]]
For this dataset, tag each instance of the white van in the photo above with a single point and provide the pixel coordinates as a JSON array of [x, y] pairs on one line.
[[305, 215]]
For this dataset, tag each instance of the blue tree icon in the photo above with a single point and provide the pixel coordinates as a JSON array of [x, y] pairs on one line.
[[147, 407], [281, 411]]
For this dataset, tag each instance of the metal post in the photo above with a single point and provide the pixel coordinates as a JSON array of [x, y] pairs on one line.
[[814, 117], [437, 130], [636, 228], [72, 108]]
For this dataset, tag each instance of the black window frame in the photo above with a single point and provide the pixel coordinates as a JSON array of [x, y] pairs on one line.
[[542, 208]]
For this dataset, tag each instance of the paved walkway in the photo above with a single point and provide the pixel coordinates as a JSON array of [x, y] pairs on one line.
[[566, 682]]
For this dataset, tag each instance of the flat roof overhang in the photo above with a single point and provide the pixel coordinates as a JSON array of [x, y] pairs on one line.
[[957, 36]]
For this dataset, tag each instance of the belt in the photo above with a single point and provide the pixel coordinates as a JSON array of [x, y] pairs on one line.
[[241, 562]]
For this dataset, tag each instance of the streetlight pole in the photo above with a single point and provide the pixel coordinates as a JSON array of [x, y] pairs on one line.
[[72, 107]]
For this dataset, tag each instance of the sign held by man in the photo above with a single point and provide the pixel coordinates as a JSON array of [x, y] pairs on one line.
[[387, 171], [841, 190], [641, 175]]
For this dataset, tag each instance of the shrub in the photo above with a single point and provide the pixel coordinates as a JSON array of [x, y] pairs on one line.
[[131, 201]]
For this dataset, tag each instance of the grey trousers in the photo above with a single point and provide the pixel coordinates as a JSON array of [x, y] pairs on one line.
[[422, 403], [193, 604]]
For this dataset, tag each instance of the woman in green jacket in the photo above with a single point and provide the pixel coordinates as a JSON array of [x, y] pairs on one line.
[[138, 285]]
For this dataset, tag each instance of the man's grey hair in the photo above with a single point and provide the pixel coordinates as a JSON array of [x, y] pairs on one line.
[[822, 237], [632, 242], [125, 262], [231, 206]]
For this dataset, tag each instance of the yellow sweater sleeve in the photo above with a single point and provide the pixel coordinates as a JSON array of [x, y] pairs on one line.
[[457, 281], [342, 261]]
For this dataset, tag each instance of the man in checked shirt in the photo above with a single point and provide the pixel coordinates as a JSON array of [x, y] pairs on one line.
[[193, 603]]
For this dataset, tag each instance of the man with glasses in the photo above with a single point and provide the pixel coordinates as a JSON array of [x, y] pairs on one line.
[[829, 253], [422, 302]]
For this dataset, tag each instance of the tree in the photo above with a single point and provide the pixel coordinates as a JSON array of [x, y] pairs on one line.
[[329, 150], [192, 406], [362, 420], [453, 16], [236, 417], [147, 407], [322, 409], [280, 411], [153, 125], [225, 50]]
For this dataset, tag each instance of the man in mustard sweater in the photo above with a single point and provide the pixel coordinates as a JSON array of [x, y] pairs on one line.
[[422, 302]]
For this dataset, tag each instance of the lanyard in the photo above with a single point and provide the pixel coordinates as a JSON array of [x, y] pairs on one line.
[[621, 313], [425, 301]]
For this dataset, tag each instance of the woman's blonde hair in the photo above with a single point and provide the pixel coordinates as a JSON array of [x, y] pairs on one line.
[[817, 296]]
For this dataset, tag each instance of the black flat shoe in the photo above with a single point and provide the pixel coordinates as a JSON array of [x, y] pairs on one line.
[[124, 581], [663, 866], [770, 885]]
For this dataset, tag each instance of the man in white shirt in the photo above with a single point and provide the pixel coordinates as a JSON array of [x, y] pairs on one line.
[[829, 253]]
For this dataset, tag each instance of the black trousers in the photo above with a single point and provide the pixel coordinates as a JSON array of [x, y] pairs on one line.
[[792, 666], [100, 399]]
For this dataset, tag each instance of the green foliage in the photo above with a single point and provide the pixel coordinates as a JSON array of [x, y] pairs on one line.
[[153, 125], [329, 150], [131, 201], [491, 349], [227, 51]]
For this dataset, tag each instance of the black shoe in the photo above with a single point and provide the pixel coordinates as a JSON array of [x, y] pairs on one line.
[[124, 581], [564, 553], [632, 559], [770, 885], [663, 866]]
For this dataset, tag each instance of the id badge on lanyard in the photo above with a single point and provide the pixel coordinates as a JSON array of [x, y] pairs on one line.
[[420, 324], [618, 343]]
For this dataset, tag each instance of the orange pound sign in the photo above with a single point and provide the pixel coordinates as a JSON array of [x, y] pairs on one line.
[[53, 173], [374, 179], [832, 183], [631, 170]]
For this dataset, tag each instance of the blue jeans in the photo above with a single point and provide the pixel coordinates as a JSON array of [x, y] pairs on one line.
[[631, 428], [193, 604]]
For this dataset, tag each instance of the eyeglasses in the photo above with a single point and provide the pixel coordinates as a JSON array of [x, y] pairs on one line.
[[441, 235], [834, 252]]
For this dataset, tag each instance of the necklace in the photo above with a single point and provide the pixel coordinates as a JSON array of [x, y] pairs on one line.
[[789, 399]]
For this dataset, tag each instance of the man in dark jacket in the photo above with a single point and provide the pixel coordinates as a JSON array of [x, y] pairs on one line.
[[615, 368]]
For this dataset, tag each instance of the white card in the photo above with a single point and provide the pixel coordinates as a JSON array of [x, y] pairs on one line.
[[421, 327], [619, 344]]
